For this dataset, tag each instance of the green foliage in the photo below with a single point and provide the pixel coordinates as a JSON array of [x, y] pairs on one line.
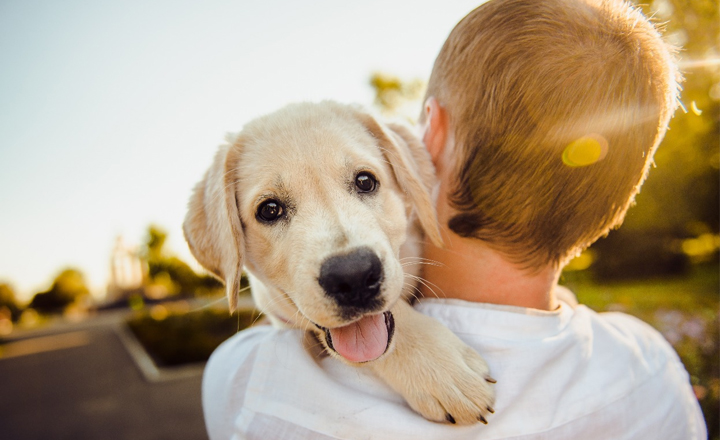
[[395, 96], [181, 338], [628, 254], [68, 286], [172, 273], [155, 242], [683, 190]]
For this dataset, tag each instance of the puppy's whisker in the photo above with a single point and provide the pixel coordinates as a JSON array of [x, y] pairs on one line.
[[261, 312], [420, 263], [266, 309], [208, 305], [416, 294], [298, 318], [427, 284], [421, 260], [417, 259]]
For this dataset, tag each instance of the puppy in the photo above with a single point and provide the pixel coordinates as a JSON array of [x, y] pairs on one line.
[[322, 204]]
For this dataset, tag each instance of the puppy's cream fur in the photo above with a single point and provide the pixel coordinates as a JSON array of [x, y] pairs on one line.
[[307, 157]]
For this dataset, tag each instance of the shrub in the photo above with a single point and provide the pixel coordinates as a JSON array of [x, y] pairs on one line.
[[176, 338]]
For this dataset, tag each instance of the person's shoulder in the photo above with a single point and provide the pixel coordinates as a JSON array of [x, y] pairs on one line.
[[242, 343], [622, 331], [243, 347], [662, 381], [232, 368], [230, 356]]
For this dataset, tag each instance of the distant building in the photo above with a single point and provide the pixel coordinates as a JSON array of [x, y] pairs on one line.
[[127, 271]]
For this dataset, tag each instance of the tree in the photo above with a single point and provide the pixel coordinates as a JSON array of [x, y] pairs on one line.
[[173, 274], [683, 190], [8, 300], [67, 287], [679, 203], [397, 97]]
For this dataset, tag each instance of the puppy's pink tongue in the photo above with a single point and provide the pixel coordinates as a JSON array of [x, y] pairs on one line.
[[363, 340]]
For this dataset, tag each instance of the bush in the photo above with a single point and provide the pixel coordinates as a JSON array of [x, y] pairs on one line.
[[173, 338], [624, 255], [8, 301], [67, 287]]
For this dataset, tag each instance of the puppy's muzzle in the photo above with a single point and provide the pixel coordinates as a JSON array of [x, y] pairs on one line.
[[353, 280]]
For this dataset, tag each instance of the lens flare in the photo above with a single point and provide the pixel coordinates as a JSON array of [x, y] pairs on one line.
[[585, 151], [695, 109]]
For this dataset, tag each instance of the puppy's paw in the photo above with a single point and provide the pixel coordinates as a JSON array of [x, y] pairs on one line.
[[438, 375], [452, 385]]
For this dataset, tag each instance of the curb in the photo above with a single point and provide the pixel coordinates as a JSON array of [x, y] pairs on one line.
[[149, 370]]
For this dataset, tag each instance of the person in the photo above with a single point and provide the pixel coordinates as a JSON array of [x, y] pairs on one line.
[[541, 118]]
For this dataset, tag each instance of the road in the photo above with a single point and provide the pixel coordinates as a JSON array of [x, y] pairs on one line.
[[79, 382]]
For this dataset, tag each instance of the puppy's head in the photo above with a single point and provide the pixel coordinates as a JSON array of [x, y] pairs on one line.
[[314, 200]]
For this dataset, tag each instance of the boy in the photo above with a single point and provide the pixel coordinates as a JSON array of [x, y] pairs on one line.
[[541, 118]]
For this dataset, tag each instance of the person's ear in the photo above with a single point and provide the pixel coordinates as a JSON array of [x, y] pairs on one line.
[[435, 130]]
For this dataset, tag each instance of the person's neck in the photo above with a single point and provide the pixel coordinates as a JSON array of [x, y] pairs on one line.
[[468, 269]]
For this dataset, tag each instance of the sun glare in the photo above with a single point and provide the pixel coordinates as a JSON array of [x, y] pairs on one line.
[[585, 151]]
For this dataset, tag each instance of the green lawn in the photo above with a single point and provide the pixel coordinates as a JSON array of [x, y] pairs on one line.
[[696, 293]]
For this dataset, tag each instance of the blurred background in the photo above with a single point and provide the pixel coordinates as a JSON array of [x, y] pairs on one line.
[[111, 112]]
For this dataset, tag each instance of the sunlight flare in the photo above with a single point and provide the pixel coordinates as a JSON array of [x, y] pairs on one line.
[[585, 151]]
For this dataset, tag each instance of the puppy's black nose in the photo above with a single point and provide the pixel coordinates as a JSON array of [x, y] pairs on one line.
[[353, 279]]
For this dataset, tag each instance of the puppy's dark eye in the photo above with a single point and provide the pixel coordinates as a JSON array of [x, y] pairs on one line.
[[365, 182], [269, 211]]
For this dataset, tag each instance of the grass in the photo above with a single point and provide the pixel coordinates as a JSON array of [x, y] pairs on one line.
[[695, 293]]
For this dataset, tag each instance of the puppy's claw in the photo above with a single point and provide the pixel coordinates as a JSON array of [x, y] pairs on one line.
[[490, 379], [482, 419], [491, 410], [450, 418]]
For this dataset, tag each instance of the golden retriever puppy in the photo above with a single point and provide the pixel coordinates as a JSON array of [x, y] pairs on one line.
[[320, 203]]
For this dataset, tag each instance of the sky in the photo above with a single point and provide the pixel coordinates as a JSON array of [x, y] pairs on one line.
[[110, 112]]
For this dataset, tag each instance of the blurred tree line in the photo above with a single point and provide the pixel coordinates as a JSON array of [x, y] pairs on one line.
[[166, 278], [170, 273], [68, 287], [676, 220]]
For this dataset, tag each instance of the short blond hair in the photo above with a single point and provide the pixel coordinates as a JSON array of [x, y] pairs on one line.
[[556, 108]]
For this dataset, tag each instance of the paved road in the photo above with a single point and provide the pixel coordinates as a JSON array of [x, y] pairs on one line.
[[81, 383]]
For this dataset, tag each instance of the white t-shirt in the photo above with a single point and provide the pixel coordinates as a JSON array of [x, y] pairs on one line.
[[566, 374]]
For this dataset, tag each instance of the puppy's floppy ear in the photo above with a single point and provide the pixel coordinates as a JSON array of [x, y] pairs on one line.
[[212, 225], [412, 167]]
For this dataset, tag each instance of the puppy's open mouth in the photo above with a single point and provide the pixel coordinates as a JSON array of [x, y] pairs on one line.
[[364, 340]]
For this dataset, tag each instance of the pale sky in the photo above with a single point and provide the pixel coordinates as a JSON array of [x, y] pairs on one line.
[[111, 111]]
